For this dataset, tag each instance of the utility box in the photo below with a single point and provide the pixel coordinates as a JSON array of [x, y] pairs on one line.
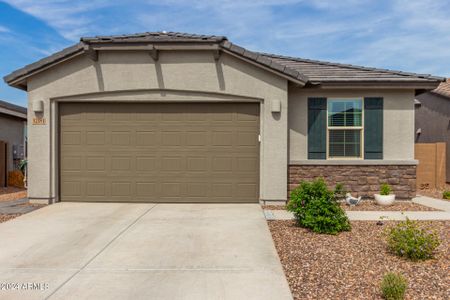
[[18, 152]]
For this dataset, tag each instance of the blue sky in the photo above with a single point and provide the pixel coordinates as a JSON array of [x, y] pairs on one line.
[[407, 35]]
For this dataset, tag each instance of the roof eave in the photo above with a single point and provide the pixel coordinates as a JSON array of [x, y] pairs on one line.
[[265, 63], [18, 78], [429, 84], [13, 113]]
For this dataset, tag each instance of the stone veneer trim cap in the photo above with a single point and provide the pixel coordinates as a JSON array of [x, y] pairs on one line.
[[354, 162]]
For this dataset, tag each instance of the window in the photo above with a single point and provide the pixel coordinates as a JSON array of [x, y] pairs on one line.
[[344, 128]]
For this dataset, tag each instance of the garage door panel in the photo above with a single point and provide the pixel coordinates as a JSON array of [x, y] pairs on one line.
[[121, 189], [147, 138], [146, 164], [121, 138], [95, 163], [158, 152], [172, 138], [71, 138], [96, 188]]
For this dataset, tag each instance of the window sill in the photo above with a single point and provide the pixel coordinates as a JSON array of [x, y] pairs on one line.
[[362, 162]]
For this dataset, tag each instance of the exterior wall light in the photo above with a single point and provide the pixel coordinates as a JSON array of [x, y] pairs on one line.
[[38, 106], [276, 106]]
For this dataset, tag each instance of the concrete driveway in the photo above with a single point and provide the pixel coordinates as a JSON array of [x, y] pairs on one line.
[[140, 251]]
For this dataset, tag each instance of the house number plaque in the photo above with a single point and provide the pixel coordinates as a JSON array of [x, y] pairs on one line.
[[39, 121]]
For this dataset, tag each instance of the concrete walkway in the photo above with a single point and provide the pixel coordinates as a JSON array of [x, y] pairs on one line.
[[433, 202], [141, 251], [16, 207], [384, 215]]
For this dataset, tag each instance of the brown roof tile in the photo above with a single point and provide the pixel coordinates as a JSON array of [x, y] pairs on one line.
[[325, 72], [298, 69], [443, 89]]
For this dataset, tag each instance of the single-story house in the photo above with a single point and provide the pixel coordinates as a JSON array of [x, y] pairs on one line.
[[433, 119], [13, 124], [174, 117]]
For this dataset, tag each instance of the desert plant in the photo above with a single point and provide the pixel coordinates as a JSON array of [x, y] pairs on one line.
[[408, 239], [385, 189], [314, 206], [23, 165], [339, 191], [446, 195], [393, 286]]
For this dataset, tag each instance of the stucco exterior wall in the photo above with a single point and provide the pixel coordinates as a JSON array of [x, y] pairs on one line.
[[398, 121], [12, 132], [176, 76]]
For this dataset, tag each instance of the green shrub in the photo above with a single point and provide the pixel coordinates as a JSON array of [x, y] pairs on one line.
[[393, 286], [339, 191], [314, 206], [408, 239], [385, 189], [23, 165], [446, 195]]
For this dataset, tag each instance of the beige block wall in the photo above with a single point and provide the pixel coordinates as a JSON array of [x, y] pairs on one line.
[[177, 76], [398, 121]]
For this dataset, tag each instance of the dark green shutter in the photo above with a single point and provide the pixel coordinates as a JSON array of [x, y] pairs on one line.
[[373, 128], [317, 128]]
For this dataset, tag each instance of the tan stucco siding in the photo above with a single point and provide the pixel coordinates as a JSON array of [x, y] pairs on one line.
[[180, 76], [398, 121]]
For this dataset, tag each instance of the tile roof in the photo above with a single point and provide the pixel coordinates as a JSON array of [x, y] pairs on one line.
[[294, 68], [323, 71], [443, 89], [154, 37]]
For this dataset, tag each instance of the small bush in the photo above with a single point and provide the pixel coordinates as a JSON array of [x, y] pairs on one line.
[[446, 195], [393, 286], [339, 191], [408, 239], [385, 189], [314, 206]]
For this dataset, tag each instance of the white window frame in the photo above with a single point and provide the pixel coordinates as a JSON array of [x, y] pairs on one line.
[[361, 128]]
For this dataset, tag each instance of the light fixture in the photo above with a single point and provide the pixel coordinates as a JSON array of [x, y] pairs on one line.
[[38, 106], [276, 105]]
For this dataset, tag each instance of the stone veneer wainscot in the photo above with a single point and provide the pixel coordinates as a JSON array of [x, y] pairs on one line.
[[360, 180]]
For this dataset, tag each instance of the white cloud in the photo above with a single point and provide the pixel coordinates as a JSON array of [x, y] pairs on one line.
[[64, 15], [404, 34]]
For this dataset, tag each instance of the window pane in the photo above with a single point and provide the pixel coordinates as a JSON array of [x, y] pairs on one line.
[[344, 113], [345, 143]]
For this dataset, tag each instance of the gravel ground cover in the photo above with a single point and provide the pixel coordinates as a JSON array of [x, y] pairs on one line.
[[369, 205], [4, 218], [434, 193], [274, 207], [12, 193], [351, 265]]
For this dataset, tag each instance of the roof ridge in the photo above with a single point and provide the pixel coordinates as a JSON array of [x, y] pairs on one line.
[[155, 33], [351, 66]]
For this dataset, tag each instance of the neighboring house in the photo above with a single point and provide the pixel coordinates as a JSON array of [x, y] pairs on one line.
[[433, 118], [171, 117], [13, 120]]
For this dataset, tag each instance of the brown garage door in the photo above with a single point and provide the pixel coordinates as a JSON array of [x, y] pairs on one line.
[[178, 152]]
